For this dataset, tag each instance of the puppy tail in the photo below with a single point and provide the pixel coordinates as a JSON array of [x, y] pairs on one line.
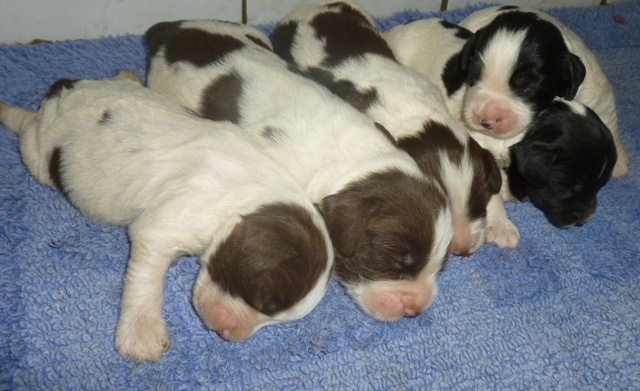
[[14, 118]]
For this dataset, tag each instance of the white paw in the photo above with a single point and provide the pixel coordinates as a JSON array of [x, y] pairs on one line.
[[503, 233], [142, 338], [621, 169]]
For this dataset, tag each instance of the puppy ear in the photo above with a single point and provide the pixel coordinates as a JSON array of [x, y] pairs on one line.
[[530, 161], [573, 72], [494, 178], [347, 218], [468, 51]]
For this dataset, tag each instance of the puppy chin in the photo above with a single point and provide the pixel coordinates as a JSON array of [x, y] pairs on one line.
[[569, 213]]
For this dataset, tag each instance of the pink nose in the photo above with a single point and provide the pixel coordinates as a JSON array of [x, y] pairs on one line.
[[496, 118]]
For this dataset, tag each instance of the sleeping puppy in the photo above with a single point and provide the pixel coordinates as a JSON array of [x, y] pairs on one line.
[[125, 155], [337, 45], [390, 226], [562, 158], [513, 66], [566, 155]]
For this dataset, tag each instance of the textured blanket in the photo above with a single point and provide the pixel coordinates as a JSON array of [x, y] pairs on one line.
[[562, 311]]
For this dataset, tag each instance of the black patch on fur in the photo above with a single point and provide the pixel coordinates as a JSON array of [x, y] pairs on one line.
[[220, 100], [347, 34], [195, 46], [453, 77], [461, 32], [105, 118], [257, 41], [544, 69], [282, 40], [59, 85], [55, 160], [507, 7]]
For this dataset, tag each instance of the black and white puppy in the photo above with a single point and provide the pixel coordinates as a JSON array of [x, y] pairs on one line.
[[125, 155], [337, 45], [561, 160], [390, 226], [515, 63]]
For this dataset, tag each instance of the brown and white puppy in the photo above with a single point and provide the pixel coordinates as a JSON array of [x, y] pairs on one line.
[[512, 67], [390, 226], [562, 158], [337, 45], [125, 155]]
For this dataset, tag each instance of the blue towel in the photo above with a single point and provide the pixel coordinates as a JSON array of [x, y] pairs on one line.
[[562, 311]]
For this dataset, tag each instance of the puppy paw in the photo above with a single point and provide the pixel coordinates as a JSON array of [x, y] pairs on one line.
[[621, 169], [142, 338], [503, 233]]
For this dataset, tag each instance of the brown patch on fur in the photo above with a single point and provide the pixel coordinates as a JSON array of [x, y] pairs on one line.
[[198, 47], [347, 34], [272, 133], [382, 226], [424, 147], [258, 41], [57, 87], [220, 100], [487, 180], [386, 133], [345, 89], [54, 169], [105, 118], [271, 259]]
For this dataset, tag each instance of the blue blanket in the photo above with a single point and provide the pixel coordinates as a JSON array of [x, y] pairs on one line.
[[562, 311]]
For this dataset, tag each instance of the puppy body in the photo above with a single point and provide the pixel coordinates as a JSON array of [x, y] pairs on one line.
[[123, 155], [337, 45], [390, 226], [564, 156], [595, 91]]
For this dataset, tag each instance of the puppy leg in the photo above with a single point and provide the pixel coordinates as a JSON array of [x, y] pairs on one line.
[[621, 167], [141, 333], [127, 74], [14, 118], [500, 230], [505, 191]]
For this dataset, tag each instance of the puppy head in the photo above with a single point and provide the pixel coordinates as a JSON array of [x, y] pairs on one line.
[[565, 157], [468, 173], [391, 232], [515, 66], [273, 267]]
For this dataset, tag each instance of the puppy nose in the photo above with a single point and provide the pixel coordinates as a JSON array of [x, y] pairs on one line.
[[410, 313], [489, 125]]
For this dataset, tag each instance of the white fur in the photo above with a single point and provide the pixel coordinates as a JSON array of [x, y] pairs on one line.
[[323, 142], [595, 91], [178, 182], [406, 102]]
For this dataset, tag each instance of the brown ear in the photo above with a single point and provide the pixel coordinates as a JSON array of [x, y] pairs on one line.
[[493, 177], [347, 218]]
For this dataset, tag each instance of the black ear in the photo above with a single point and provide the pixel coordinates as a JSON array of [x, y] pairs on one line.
[[573, 72], [347, 217], [468, 51]]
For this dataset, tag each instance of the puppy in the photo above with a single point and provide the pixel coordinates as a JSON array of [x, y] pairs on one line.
[[559, 162], [566, 155], [337, 45], [534, 58], [390, 226], [125, 155]]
